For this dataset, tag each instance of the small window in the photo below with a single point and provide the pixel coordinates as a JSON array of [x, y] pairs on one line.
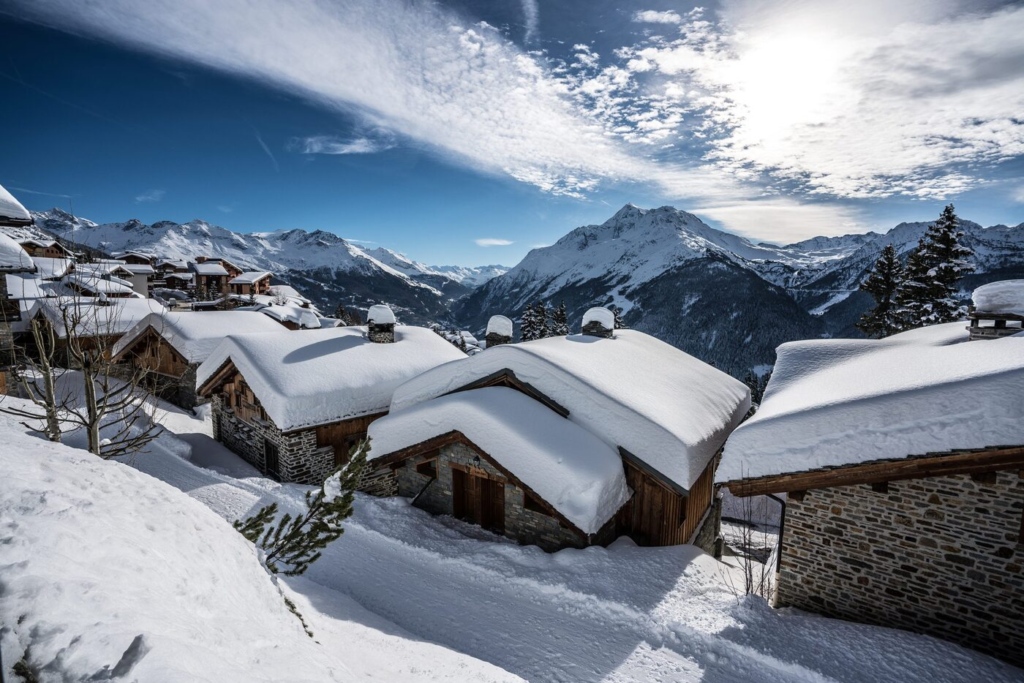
[[427, 468], [533, 505]]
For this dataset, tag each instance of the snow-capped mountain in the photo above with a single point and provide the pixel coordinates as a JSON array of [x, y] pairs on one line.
[[713, 294], [328, 268]]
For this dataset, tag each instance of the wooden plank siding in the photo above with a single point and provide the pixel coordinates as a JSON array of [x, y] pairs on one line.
[[342, 436], [658, 515], [153, 353], [239, 397]]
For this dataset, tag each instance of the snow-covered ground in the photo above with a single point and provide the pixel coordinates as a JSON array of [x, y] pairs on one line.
[[86, 543]]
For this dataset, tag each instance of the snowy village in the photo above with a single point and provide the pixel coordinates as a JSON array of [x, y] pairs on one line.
[[777, 435]]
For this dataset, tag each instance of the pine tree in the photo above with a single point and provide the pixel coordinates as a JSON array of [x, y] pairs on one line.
[[295, 543], [617, 311], [533, 323], [882, 283], [544, 317], [560, 321], [928, 293]]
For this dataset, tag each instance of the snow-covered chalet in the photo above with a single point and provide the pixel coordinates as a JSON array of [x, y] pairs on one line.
[[14, 261], [903, 461], [294, 403], [170, 347], [565, 441]]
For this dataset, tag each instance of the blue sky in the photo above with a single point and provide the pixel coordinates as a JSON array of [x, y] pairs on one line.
[[447, 130]]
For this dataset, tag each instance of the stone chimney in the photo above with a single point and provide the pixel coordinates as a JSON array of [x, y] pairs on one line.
[[499, 331], [599, 322], [998, 310], [380, 324]]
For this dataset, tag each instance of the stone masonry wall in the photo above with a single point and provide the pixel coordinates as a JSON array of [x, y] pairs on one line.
[[940, 556], [299, 458], [710, 529], [525, 526]]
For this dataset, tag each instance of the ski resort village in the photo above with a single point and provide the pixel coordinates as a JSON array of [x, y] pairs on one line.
[[477, 341], [209, 478]]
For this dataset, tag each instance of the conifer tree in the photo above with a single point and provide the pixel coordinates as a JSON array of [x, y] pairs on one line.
[[928, 293], [882, 283], [295, 543], [560, 321], [617, 311], [544, 316], [533, 323]]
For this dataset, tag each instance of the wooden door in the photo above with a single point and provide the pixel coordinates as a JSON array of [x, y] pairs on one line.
[[478, 500], [270, 459]]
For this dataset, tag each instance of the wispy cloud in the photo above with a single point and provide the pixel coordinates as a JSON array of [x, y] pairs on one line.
[[329, 144], [492, 242], [531, 18], [263, 145], [150, 196], [785, 220], [225, 208], [654, 17], [44, 194]]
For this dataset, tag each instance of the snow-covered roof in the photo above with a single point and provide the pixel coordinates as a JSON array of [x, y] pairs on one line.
[[841, 401], [1005, 296], [603, 316], [250, 278], [11, 210], [287, 291], [178, 276], [95, 284], [94, 317], [499, 325], [322, 376], [52, 268], [289, 312], [379, 314], [196, 335], [664, 406], [570, 468], [27, 286], [139, 268], [12, 256], [208, 268]]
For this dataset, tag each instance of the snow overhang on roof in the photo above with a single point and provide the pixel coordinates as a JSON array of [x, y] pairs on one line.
[[196, 335], [250, 278], [208, 268], [304, 379], [838, 402], [14, 259], [572, 470], [662, 405], [11, 210]]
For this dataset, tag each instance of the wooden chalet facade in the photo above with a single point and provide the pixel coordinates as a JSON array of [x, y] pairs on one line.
[[250, 284], [46, 249], [931, 543]]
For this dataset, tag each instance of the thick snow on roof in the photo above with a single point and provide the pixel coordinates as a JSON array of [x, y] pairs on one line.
[[94, 284], [27, 286], [305, 318], [250, 277], [196, 335], [139, 268], [320, 376], [11, 207], [287, 291], [91, 317], [52, 268], [570, 468], [12, 256], [634, 391], [208, 268], [840, 402], [380, 315], [1006, 296], [500, 325], [600, 315]]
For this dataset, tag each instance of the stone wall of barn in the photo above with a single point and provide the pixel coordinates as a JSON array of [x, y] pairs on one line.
[[525, 526], [942, 556], [300, 460]]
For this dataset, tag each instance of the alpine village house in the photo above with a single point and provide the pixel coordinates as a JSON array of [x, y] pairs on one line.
[[14, 260], [294, 403], [564, 441], [902, 461]]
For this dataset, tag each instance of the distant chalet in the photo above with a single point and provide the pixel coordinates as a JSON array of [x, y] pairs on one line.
[[294, 403], [564, 441], [903, 461]]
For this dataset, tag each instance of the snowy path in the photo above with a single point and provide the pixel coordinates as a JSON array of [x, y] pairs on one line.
[[620, 614]]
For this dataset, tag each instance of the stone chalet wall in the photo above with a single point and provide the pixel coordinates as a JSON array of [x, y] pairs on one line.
[[299, 458], [706, 537], [525, 526], [940, 556]]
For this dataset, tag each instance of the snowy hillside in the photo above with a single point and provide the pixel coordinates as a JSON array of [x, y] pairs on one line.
[[328, 268], [716, 295], [110, 574]]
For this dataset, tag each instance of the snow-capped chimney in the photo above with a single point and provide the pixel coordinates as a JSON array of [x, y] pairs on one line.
[[599, 322], [998, 310], [499, 331], [380, 324]]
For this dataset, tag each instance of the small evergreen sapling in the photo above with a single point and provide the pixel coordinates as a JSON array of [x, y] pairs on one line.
[[295, 543]]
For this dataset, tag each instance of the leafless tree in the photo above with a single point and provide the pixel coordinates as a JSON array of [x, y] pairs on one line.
[[37, 375]]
